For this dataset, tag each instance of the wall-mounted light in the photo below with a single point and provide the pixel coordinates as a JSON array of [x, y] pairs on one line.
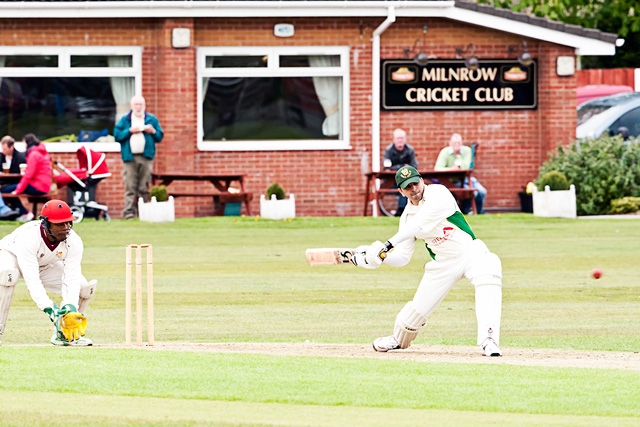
[[420, 58], [524, 57], [180, 38], [469, 55]]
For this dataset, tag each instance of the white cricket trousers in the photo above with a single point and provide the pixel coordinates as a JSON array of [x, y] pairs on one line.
[[483, 269]]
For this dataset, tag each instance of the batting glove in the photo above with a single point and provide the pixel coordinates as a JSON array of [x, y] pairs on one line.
[[359, 258], [377, 252]]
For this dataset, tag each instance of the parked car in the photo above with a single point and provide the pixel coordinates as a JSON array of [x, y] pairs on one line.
[[610, 114]]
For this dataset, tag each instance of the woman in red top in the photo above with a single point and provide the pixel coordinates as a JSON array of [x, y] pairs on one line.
[[36, 180]]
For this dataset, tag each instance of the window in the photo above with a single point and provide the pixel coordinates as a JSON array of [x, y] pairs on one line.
[[629, 120], [55, 92], [273, 98]]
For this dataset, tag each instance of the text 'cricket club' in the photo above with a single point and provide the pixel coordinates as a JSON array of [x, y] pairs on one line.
[[448, 84]]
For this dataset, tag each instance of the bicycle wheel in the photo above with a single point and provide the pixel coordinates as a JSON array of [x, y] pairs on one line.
[[388, 204]]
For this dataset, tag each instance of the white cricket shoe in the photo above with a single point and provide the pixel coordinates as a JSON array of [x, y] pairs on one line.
[[490, 348], [385, 344], [80, 342], [26, 217]]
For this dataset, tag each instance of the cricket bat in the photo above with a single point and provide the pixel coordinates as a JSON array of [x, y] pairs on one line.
[[328, 256]]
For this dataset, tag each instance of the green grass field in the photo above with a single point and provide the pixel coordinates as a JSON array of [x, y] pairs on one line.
[[245, 280]]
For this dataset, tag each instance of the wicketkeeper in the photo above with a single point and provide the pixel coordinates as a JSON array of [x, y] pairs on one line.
[[433, 215], [47, 254]]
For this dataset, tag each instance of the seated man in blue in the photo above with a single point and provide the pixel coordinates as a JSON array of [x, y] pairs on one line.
[[458, 156]]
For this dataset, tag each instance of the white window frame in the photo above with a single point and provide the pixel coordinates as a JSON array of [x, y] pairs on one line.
[[64, 69], [273, 70]]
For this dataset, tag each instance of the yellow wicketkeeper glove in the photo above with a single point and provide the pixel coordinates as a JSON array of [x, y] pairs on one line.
[[73, 324]]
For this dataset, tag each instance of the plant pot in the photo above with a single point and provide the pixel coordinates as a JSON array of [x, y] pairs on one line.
[[277, 209], [155, 211], [556, 204]]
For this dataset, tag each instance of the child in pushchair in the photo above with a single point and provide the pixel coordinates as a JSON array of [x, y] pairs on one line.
[[82, 183]]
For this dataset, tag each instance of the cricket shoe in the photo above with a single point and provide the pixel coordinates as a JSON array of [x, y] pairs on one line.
[[385, 344], [490, 348], [80, 342]]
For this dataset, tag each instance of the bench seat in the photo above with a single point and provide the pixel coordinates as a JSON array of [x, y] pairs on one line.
[[220, 200], [34, 200]]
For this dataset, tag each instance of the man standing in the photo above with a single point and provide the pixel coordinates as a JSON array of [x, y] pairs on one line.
[[47, 254], [399, 154], [138, 133], [433, 216], [458, 156]]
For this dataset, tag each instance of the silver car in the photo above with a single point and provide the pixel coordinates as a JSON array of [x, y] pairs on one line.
[[615, 114]]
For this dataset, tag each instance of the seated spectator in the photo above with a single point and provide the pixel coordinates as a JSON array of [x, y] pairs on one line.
[[36, 180], [458, 156], [10, 155], [399, 154], [14, 158]]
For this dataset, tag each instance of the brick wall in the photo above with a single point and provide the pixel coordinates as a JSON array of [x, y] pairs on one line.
[[512, 143]]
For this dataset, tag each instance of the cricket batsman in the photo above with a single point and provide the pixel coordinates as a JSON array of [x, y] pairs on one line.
[[433, 215], [47, 254]]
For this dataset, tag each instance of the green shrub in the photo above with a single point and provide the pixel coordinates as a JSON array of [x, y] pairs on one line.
[[602, 170], [625, 205], [277, 190], [160, 193], [555, 180]]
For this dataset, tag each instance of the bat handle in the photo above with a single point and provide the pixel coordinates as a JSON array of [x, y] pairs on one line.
[[387, 247]]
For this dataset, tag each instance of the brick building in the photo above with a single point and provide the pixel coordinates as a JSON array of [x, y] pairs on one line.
[[285, 91]]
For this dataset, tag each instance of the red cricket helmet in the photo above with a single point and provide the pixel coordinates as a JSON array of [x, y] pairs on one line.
[[56, 212]]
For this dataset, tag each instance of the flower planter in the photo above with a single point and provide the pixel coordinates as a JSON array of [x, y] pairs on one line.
[[155, 211], [557, 204], [277, 209]]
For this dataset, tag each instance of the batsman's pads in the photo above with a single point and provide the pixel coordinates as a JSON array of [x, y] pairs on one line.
[[408, 323], [73, 324]]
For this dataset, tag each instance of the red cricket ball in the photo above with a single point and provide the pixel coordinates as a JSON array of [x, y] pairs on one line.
[[596, 273]]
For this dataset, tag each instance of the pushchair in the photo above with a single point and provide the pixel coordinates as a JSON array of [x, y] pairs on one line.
[[82, 183]]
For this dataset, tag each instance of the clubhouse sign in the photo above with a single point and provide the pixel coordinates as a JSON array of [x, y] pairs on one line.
[[449, 85]]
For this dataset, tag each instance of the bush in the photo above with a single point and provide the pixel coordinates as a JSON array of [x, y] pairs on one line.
[[625, 205], [160, 193], [555, 180], [277, 190], [602, 170]]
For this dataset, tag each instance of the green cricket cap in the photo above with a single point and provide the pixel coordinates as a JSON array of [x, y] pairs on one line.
[[407, 175]]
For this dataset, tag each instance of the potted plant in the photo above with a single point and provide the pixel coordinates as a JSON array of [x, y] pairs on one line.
[[275, 206], [161, 208], [553, 196]]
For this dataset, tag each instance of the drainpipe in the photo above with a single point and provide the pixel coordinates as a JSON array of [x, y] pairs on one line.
[[375, 89]]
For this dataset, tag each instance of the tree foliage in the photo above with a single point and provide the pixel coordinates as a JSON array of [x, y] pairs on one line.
[[602, 170], [620, 17]]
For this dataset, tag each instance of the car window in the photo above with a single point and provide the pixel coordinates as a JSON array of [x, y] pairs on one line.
[[629, 120], [595, 106], [588, 111]]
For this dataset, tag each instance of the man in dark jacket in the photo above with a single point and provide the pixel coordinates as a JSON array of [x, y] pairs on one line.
[[138, 133], [10, 155], [397, 155]]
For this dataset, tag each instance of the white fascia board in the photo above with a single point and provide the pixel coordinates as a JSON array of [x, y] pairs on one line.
[[217, 9], [583, 45], [290, 9]]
